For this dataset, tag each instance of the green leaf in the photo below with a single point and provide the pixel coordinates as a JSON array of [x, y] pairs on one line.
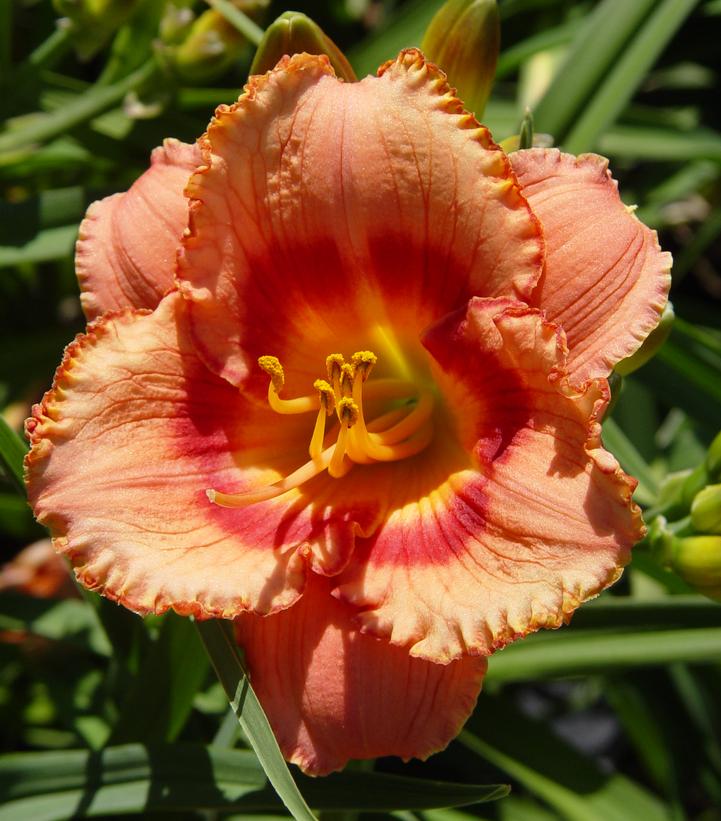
[[570, 652], [12, 453], [49, 244], [615, 440], [627, 73], [184, 777], [592, 53], [660, 144], [98, 99], [173, 670], [220, 644], [247, 27], [572, 784], [67, 620]]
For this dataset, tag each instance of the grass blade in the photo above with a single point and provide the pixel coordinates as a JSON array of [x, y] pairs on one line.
[[184, 777], [580, 652], [220, 644], [620, 445], [556, 773], [589, 59], [627, 74]]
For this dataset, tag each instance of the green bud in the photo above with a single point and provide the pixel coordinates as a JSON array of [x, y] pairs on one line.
[[210, 47], [94, 21], [713, 458], [294, 33], [706, 510], [697, 559], [651, 344], [464, 38], [694, 483]]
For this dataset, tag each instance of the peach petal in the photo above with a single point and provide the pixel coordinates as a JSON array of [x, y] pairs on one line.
[[339, 207], [124, 446], [606, 280], [127, 245], [540, 522], [332, 693]]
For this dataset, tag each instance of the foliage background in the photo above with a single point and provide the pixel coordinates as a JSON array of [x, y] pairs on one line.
[[615, 717]]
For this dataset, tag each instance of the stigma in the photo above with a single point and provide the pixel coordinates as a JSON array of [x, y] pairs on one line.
[[342, 437]]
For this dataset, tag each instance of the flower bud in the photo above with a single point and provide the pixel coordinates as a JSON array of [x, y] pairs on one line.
[[464, 39], [294, 33], [697, 559], [211, 45], [651, 344], [713, 458], [694, 483], [94, 21], [706, 510]]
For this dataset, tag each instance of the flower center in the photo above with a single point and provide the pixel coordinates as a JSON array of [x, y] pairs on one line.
[[341, 436]]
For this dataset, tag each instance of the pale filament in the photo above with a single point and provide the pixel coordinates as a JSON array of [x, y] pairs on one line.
[[394, 435]]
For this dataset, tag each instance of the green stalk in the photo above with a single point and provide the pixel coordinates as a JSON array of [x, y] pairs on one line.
[[84, 108]]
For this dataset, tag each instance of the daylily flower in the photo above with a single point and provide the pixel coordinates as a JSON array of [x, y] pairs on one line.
[[364, 420]]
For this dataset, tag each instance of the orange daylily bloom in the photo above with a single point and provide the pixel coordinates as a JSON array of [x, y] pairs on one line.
[[365, 422]]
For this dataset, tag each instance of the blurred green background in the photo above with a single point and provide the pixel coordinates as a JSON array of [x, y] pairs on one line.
[[617, 717]]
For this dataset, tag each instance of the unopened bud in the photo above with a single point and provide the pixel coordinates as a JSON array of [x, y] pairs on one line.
[[697, 559], [210, 47], [651, 344], [706, 510], [294, 33], [694, 483], [94, 21], [713, 458], [464, 38]]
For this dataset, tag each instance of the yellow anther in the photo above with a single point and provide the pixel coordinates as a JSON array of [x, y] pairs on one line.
[[327, 397], [334, 363], [271, 365], [347, 378], [363, 363], [348, 412]]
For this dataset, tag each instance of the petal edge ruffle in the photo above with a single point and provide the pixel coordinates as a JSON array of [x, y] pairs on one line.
[[606, 280]]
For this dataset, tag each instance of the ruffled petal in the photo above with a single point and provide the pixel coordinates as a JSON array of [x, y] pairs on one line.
[[326, 209], [124, 446], [333, 694], [127, 246], [538, 520], [606, 280]]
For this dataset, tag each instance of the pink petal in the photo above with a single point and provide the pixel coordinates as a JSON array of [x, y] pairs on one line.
[[328, 208], [333, 694], [127, 246], [124, 446], [606, 280], [532, 516]]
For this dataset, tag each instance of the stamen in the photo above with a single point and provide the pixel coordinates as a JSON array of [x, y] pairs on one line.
[[363, 363], [302, 404], [333, 364], [347, 378], [348, 413], [293, 480], [327, 406], [397, 434]]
